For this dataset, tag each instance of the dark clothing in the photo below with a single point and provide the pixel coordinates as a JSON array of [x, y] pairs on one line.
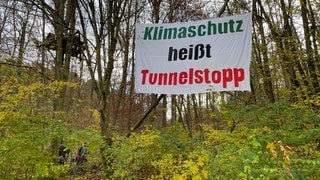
[[63, 155], [62, 151]]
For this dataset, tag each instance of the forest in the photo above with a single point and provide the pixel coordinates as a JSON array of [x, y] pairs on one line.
[[67, 81]]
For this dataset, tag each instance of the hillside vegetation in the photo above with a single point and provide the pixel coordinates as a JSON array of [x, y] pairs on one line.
[[69, 108]]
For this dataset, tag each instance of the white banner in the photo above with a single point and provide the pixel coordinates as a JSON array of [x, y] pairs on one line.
[[194, 57]]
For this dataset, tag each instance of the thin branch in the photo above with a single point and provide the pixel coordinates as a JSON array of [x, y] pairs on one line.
[[139, 123], [223, 8]]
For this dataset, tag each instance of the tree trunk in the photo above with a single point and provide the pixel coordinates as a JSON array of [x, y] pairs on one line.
[[281, 39], [313, 33], [266, 73], [164, 112], [309, 50]]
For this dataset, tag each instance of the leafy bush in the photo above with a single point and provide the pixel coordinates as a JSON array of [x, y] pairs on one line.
[[153, 154], [25, 146], [277, 141], [29, 134]]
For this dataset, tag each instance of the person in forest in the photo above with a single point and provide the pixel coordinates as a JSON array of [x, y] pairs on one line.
[[81, 157], [63, 154], [83, 151]]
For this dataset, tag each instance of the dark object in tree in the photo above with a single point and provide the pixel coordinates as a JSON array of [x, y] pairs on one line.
[[51, 43]]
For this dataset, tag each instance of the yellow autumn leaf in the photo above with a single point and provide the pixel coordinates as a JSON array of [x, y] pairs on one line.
[[204, 173], [272, 148], [266, 129], [201, 161]]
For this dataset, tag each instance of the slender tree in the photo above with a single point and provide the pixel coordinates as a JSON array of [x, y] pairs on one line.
[[308, 42]]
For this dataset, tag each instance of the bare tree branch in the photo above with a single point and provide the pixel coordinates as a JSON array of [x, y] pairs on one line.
[[223, 8]]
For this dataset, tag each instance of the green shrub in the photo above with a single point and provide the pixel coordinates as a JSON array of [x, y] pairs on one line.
[[277, 141]]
